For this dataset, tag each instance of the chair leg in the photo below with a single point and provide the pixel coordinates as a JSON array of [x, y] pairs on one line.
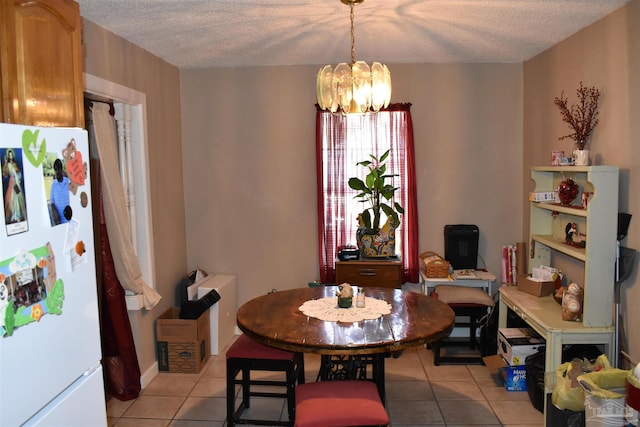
[[246, 387], [473, 321], [475, 315], [239, 373], [436, 353], [291, 388], [231, 394], [300, 367]]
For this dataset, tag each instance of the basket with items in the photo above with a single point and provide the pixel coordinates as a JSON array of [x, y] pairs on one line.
[[433, 265]]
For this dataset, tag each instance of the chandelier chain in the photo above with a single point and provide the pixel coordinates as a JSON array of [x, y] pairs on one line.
[[353, 37]]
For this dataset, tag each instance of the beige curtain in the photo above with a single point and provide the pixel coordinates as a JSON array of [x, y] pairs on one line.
[[115, 211]]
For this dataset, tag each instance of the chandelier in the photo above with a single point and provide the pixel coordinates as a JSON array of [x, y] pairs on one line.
[[356, 87]]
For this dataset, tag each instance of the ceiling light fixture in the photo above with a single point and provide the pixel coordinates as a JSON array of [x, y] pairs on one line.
[[353, 88]]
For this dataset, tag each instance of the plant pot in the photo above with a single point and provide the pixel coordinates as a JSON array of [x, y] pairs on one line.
[[376, 244], [345, 302]]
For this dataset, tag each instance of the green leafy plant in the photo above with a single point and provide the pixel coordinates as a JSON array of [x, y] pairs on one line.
[[582, 117], [376, 192]]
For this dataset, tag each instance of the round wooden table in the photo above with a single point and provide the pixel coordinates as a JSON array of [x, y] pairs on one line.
[[415, 319]]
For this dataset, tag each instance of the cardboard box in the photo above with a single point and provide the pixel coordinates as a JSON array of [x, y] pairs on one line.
[[515, 344], [183, 345], [533, 287], [514, 378], [543, 196]]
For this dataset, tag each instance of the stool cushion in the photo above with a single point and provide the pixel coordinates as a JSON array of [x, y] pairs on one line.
[[451, 294], [248, 348], [339, 403]]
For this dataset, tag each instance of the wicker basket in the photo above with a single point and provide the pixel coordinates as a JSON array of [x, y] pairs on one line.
[[433, 265]]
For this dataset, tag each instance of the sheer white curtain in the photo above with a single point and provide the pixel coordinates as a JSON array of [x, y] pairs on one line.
[[341, 142], [115, 210]]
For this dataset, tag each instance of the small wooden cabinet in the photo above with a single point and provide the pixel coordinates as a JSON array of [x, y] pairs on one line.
[[41, 63], [380, 273]]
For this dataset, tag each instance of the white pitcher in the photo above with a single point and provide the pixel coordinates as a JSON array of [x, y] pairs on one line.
[[582, 157]]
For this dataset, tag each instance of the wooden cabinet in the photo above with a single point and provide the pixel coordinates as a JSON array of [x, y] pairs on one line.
[[41, 63], [383, 274], [598, 221]]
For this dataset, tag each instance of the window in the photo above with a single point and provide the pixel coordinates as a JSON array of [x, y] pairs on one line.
[[130, 117], [342, 142]]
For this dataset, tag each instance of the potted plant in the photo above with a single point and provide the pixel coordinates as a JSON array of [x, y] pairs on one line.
[[582, 119], [376, 191]]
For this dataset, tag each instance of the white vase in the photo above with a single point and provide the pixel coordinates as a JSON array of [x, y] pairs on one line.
[[582, 157]]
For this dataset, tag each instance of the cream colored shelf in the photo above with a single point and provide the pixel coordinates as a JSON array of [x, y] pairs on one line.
[[562, 247], [544, 315], [572, 169], [598, 221], [569, 210]]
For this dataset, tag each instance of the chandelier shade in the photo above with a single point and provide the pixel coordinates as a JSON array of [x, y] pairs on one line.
[[355, 87]]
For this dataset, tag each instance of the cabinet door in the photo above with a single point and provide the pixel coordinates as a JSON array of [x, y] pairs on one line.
[[41, 63]]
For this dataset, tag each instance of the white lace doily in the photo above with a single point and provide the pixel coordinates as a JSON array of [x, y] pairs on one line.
[[327, 309]]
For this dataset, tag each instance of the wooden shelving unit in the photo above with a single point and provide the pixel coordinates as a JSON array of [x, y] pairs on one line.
[[598, 221]]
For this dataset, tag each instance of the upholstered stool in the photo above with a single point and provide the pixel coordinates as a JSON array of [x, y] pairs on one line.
[[473, 303], [246, 355], [339, 403]]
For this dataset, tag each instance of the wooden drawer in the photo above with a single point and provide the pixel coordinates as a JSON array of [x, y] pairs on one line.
[[383, 274]]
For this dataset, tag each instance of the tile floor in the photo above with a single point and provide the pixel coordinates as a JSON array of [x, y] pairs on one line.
[[418, 394]]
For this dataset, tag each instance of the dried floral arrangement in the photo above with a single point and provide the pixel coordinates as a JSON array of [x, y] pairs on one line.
[[582, 117]]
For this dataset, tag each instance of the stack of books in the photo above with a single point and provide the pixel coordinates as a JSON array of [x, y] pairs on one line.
[[509, 257]]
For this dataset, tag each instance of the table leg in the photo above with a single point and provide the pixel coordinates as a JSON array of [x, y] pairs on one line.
[[340, 367], [378, 374]]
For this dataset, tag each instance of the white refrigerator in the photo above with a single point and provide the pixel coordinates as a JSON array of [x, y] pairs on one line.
[[50, 371]]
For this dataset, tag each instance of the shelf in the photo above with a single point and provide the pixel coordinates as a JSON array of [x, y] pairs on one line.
[[563, 247], [578, 169], [556, 207], [547, 228], [543, 313], [597, 221]]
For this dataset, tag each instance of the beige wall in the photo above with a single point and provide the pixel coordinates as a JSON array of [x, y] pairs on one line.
[[112, 58], [605, 55], [240, 144], [249, 164]]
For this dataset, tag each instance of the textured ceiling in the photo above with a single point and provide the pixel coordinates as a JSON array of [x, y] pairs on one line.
[[230, 33]]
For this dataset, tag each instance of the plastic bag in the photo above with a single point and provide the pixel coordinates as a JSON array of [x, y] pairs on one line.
[[634, 377], [604, 401], [602, 384], [567, 393], [633, 397]]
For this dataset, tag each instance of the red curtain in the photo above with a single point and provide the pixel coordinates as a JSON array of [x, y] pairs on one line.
[[342, 141], [121, 369]]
